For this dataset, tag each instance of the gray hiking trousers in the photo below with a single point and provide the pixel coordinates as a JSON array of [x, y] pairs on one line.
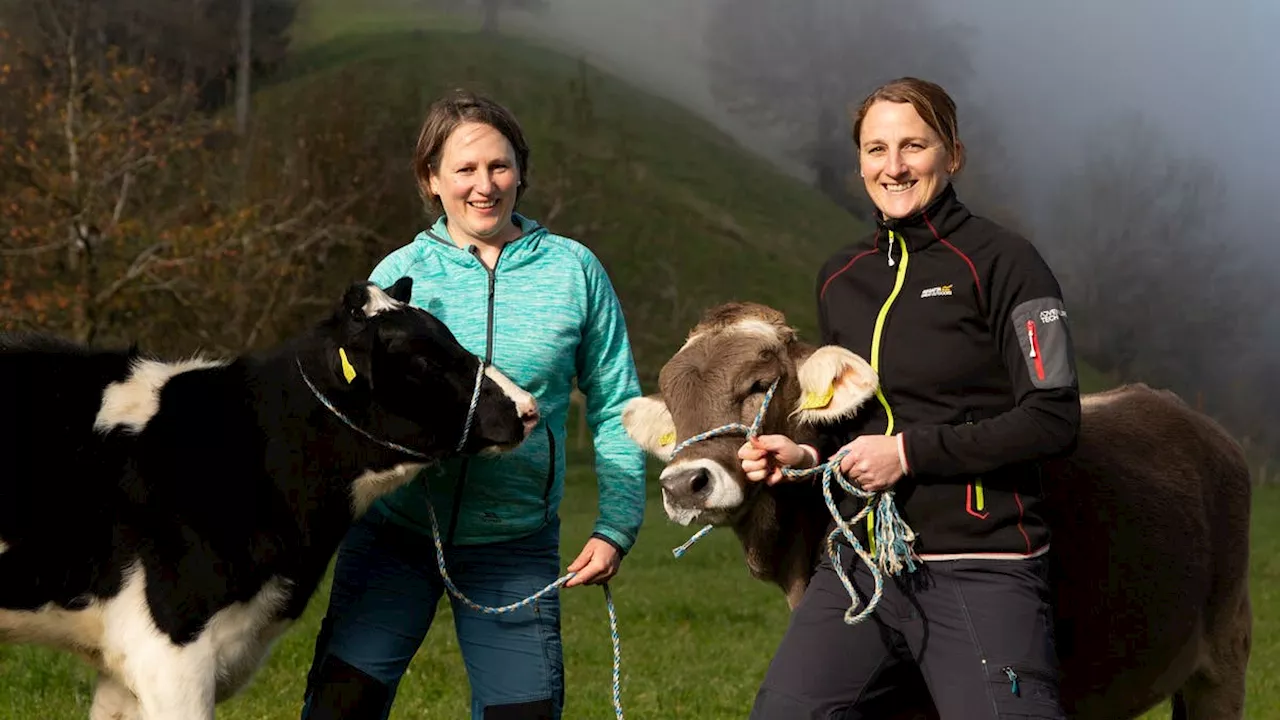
[[974, 635]]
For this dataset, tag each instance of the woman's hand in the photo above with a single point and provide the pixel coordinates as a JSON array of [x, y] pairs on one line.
[[764, 456], [597, 562], [873, 463]]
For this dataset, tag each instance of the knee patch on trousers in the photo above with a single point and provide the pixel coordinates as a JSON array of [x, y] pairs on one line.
[[341, 690], [536, 710]]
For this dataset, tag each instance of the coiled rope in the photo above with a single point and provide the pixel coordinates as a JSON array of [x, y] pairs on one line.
[[893, 537]]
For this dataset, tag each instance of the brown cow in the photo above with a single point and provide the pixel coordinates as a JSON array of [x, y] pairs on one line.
[[1150, 514]]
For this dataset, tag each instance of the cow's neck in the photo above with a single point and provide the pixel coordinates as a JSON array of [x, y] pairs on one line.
[[778, 539], [340, 454]]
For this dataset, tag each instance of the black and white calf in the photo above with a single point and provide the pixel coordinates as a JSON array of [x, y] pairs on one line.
[[166, 521]]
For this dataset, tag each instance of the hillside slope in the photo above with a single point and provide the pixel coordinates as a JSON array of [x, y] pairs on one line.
[[680, 215]]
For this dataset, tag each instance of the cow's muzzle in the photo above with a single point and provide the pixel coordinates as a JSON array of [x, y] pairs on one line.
[[702, 487], [687, 486]]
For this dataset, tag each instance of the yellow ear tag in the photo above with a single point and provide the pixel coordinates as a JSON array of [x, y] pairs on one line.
[[667, 439], [348, 371], [813, 401]]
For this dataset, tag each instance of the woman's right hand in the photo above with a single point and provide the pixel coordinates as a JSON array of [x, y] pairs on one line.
[[764, 456]]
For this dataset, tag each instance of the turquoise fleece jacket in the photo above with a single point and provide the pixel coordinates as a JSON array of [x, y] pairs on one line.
[[546, 314]]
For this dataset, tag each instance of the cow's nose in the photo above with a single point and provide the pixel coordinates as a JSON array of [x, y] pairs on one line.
[[529, 416], [687, 483]]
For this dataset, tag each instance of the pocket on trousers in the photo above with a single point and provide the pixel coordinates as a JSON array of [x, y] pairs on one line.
[[1025, 692]]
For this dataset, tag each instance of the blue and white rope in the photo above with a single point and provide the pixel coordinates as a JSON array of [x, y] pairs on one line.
[[490, 610], [435, 536], [328, 404], [471, 411], [893, 537]]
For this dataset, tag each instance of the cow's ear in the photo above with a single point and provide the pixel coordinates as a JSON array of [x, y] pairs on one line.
[[834, 383], [401, 290], [648, 422], [364, 300]]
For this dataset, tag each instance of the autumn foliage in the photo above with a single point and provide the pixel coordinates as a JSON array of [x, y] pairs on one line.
[[129, 213]]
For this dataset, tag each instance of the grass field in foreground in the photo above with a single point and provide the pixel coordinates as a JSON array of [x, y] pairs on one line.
[[696, 634]]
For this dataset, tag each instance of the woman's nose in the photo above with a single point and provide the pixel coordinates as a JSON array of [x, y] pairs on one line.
[[893, 164]]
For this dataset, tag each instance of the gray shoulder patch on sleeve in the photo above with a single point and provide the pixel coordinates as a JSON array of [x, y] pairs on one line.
[[1045, 338]]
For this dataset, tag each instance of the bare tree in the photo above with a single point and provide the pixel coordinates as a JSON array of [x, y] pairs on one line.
[[119, 219], [1151, 266], [186, 39]]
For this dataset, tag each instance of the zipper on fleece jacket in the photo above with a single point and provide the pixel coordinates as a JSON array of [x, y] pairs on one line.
[[901, 277], [488, 360], [551, 467], [974, 498]]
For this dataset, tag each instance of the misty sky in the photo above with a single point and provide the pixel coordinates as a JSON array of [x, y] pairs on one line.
[[1205, 72], [1208, 73]]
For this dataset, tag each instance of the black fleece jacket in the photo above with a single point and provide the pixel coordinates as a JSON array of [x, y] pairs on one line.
[[965, 325]]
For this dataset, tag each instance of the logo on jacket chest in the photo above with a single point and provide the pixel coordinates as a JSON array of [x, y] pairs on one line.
[[936, 291]]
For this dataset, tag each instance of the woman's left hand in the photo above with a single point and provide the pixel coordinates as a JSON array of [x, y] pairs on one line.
[[597, 562], [872, 463]]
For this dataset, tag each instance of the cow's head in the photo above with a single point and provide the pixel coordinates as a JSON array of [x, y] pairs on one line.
[[720, 376], [413, 378]]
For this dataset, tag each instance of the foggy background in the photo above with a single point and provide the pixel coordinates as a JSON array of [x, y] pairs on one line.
[[1048, 76], [1133, 142]]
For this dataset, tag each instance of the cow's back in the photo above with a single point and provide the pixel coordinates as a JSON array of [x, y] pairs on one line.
[[54, 509], [1144, 557]]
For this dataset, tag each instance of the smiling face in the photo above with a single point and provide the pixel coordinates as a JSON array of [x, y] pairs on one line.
[[476, 183], [905, 163]]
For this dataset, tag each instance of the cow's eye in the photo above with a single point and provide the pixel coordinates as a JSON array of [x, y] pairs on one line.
[[760, 387]]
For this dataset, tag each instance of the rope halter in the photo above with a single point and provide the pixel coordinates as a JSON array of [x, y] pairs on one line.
[[892, 539], [466, 426]]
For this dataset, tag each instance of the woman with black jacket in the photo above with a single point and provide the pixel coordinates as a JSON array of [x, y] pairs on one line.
[[965, 325]]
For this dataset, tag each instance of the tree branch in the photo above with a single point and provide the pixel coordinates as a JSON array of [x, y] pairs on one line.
[[30, 252], [120, 200], [136, 269]]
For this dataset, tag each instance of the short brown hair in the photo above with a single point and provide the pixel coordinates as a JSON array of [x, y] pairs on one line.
[[444, 116], [934, 105]]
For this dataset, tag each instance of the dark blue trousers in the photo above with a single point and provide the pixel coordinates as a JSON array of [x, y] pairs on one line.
[[386, 588]]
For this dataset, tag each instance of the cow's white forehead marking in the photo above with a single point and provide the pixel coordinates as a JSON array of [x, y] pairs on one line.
[[132, 402], [524, 402], [749, 326], [380, 302]]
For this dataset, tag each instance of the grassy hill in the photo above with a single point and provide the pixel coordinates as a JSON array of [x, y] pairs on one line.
[[680, 215]]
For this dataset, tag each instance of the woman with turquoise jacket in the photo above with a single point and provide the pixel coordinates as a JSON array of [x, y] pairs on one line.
[[540, 308]]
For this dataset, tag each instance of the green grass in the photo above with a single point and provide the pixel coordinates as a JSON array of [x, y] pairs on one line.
[[319, 21], [697, 634]]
